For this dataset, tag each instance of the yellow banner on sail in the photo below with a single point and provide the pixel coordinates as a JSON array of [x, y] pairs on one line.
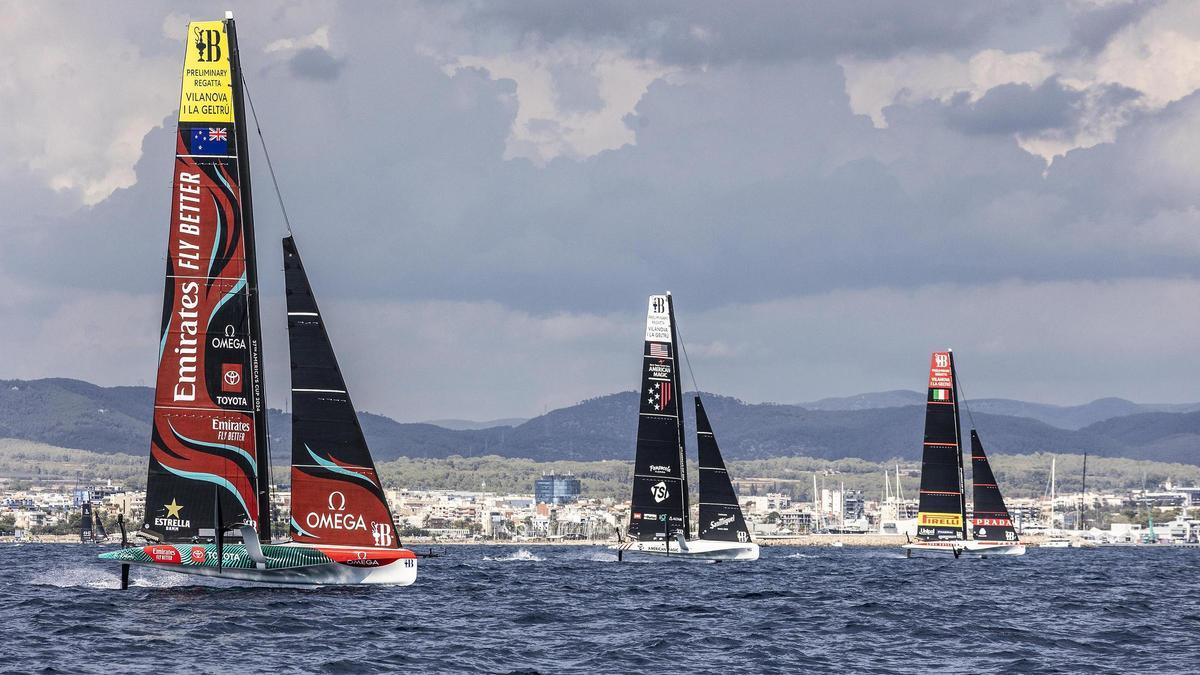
[[207, 78], [939, 520]]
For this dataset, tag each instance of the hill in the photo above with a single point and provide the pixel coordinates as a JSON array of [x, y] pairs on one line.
[[1063, 416], [74, 414]]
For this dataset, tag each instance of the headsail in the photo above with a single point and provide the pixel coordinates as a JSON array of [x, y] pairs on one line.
[[336, 494], [990, 520], [720, 514], [659, 506], [942, 511], [208, 439]]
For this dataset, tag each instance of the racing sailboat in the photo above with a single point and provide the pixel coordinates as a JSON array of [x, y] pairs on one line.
[[942, 510], [660, 515], [209, 473]]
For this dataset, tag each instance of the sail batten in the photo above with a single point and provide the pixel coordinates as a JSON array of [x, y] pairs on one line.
[[209, 424]]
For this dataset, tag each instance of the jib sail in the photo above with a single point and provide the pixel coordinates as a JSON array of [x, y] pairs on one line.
[[659, 506], [990, 520], [942, 509], [720, 514], [208, 439], [336, 494]]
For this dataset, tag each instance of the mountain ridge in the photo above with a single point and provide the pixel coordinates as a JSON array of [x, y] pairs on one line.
[[73, 413]]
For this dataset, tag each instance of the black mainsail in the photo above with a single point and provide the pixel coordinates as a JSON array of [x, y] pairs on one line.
[[209, 437], [720, 514], [942, 509], [336, 494], [990, 520], [659, 505]]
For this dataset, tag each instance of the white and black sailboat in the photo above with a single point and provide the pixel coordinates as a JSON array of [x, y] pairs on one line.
[[942, 511], [660, 514], [209, 475]]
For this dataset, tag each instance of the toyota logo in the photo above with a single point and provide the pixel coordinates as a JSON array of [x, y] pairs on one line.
[[232, 378]]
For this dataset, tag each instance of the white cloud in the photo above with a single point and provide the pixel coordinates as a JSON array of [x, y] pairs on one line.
[[317, 38], [545, 127], [75, 107]]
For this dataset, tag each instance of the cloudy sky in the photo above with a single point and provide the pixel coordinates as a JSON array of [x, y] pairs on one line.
[[486, 193]]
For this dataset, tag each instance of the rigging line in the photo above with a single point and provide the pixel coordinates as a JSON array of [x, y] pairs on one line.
[[679, 336], [270, 167], [963, 399]]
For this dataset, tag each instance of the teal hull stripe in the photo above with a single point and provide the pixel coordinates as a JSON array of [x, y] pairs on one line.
[[334, 467], [224, 299], [210, 478], [301, 530], [219, 446]]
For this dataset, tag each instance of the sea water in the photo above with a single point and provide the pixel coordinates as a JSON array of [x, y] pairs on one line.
[[577, 610]]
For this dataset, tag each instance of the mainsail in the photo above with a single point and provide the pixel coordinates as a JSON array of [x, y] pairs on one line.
[[720, 515], [86, 533], [942, 510], [990, 520], [208, 439], [659, 506], [336, 494]]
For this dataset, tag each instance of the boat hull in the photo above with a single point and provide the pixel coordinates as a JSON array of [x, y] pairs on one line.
[[289, 563], [971, 547], [697, 549]]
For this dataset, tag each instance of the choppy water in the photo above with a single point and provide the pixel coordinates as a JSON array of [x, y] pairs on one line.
[[575, 609]]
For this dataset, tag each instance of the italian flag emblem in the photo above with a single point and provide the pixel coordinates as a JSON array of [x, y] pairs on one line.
[[941, 394]]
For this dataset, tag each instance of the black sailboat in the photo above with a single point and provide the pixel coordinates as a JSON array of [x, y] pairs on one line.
[[942, 509], [660, 513]]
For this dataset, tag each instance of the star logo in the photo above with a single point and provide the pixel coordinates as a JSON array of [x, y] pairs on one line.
[[173, 508]]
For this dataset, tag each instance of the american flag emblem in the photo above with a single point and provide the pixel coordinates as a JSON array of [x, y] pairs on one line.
[[659, 350], [659, 395], [218, 135]]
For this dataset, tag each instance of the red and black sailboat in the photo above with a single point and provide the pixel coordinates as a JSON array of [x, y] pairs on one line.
[[660, 515], [209, 476], [942, 510]]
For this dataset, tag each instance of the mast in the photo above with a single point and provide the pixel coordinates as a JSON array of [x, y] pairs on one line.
[[1052, 479], [659, 503], [962, 478], [263, 437], [208, 436], [942, 511], [1082, 496], [687, 507], [337, 497], [720, 514]]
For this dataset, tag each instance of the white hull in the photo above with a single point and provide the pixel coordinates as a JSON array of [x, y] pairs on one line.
[[971, 547], [695, 549]]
